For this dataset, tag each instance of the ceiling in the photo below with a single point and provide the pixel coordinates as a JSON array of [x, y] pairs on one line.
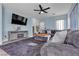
[[28, 8]]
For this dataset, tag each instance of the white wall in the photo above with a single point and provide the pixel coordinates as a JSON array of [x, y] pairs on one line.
[[0, 23]]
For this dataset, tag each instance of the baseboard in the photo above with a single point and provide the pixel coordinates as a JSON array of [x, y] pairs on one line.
[[11, 41]]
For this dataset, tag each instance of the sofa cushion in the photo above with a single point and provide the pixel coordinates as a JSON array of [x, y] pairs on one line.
[[73, 38]]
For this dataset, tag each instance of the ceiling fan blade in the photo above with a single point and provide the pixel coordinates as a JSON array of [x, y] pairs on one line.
[[40, 7], [45, 11], [47, 8], [40, 12], [36, 10]]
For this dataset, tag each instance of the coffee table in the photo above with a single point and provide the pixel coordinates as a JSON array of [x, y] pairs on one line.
[[39, 40], [42, 35]]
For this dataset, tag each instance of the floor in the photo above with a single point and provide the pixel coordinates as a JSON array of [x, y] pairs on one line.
[[3, 53]]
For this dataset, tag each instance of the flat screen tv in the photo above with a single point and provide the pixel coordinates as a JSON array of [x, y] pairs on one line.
[[19, 20]]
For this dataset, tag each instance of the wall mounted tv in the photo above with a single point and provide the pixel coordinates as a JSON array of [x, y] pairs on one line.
[[19, 20]]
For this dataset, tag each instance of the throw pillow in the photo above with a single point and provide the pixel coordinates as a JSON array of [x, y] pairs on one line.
[[59, 37]]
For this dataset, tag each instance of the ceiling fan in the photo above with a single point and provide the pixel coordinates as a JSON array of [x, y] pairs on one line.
[[42, 10]]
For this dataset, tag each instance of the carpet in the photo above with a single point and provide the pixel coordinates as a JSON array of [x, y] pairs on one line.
[[21, 48]]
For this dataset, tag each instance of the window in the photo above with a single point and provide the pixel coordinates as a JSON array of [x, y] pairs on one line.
[[60, 24]]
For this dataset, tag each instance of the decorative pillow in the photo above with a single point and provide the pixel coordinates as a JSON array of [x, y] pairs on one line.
[[59, 37], [53, 33], [50, 32]]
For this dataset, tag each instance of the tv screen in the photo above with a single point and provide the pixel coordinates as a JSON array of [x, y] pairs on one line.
[[16, 19]]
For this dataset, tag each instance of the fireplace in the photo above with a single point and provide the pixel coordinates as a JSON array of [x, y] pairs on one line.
[[16, 35], [20, 35]]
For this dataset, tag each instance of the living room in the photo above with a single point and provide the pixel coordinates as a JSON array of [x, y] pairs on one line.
[[33, 17], [40, 18]]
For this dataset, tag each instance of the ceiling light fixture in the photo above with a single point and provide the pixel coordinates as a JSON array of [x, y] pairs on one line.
[[42, 12]]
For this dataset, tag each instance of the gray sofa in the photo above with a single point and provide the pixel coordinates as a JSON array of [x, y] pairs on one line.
[[69, 48]]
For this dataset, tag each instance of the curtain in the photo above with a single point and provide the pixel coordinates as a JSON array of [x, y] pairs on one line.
[[74, 18]]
